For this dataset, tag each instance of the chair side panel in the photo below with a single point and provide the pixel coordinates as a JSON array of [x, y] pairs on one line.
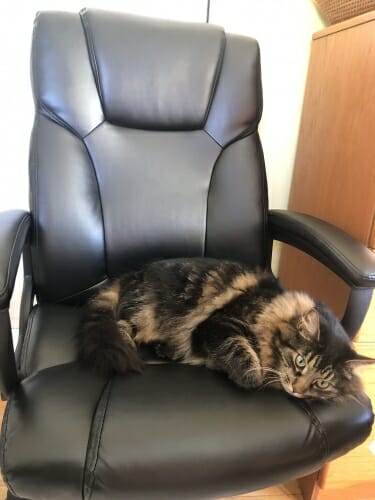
[[237, 204], [68, 239]]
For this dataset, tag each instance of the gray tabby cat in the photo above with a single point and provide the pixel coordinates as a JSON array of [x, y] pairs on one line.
[[227, 317]]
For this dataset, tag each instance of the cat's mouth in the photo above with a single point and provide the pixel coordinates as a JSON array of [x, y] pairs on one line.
[[278, 380], [297, 395], [288, 387]]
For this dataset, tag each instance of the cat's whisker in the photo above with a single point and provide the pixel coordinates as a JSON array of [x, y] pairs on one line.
[[269, 382], [357, 400], [271, 379], [271, 370]]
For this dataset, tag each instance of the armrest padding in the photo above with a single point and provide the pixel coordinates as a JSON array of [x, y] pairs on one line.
[[346, 256], [14, 228]]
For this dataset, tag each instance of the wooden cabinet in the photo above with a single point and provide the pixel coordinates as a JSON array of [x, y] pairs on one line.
[[334, 179], [334, 175]]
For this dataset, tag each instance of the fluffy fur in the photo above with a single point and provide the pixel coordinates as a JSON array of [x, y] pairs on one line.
[[225, 316]]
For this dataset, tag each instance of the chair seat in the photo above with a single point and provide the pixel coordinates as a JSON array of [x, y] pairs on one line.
[[174, 431], [50, 339]]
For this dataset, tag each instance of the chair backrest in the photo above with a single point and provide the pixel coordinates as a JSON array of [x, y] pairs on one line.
[[144, 146]]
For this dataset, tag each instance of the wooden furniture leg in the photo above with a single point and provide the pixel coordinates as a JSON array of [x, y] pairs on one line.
[[312, 485]]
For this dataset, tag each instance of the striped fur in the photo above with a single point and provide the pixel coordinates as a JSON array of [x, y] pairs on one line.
[[225, 316]]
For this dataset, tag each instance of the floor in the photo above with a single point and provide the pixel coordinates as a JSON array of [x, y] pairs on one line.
[[284, 492]]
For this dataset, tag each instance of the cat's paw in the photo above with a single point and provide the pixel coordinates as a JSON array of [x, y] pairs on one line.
[[162, 350]]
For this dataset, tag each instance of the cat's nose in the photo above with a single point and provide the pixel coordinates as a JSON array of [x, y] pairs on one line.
[[299, 388], [297, 395], [296, 389]]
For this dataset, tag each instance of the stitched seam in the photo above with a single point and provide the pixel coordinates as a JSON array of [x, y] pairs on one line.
[[55, 119], [96, 74], [93, 130], [242, 135], [33, 170], [219, 67], [323, 442], [34, 74], [259, 88], [92, 55], [24, 219], [6, 286], [264, 198], [101, 207], [94, 441], [253, 126], [50, 114], [264, 184], [4, 445], [33, 174], [213, 138], [208, 194], [25, 346], [82, 292]]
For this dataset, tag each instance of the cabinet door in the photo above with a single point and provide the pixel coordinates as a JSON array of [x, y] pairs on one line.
[[334, 175]]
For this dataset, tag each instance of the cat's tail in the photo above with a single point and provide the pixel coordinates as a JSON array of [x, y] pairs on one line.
[[105, 344]]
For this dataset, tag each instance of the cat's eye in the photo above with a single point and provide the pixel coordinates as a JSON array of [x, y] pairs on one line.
[[322, 383], [300, 361]]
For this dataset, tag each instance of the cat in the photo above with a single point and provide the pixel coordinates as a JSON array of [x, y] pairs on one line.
[[225, 316]]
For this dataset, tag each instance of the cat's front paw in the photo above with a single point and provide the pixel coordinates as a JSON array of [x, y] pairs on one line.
[[162, 350], [251, 378]]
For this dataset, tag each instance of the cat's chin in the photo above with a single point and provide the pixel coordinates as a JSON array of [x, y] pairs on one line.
[[297, 395], [283, 386], [289, 390]]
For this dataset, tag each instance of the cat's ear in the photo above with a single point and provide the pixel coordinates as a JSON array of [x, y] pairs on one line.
[[356, 360], [308, 325], [355, 364]]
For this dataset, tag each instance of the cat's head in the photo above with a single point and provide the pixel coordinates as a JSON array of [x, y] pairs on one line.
[[314, 357]]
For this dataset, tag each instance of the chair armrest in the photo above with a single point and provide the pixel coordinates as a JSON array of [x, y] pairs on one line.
[[346, 256], [14, 229]]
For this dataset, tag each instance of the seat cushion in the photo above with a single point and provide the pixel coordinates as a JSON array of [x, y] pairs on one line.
[[50, 339], [46, 430], [174, 431]]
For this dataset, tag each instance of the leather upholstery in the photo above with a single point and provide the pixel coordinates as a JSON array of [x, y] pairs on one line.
[[8, 370], [157, 92], [173, 432], [14, 229], [342, 253], [149, 118], [145, 145], [49, 338], [46, 430]]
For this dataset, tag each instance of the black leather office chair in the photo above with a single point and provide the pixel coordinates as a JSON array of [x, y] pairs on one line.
[[145, 145]]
